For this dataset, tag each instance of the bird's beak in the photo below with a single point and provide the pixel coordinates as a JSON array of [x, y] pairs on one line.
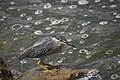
[[71, 45], [64, 42]]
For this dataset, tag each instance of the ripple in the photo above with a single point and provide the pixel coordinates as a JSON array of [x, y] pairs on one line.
[[83, 2], [114, 76], [22, 14], [73, 6], [64, 20], [109, 51], [84, 36], [103, 22], [17, 26], [38, 32], [55, 22], [38, 12], [83, 51], [47, 6]]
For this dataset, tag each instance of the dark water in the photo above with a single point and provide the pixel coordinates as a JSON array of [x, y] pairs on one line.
[[92, 25]]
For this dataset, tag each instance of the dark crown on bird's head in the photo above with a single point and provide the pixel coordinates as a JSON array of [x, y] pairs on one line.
[[60, 37]]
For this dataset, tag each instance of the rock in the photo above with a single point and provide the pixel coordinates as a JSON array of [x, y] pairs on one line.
[[5, 73], [55, 74]]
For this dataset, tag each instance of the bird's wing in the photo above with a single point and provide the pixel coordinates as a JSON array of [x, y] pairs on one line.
[[37, 49]]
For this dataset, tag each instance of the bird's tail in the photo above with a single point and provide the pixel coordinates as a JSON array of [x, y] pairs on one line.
[[25, 54]]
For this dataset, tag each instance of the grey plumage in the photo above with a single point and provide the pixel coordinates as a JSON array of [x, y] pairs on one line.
[[44, 47]]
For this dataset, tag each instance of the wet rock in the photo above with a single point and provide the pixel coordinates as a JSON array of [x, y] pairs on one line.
[[5, 73], [55, 74]]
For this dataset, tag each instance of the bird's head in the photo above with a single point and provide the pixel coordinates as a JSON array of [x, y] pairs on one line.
[[60, 39]]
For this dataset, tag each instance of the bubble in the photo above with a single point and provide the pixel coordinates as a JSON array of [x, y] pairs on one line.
[[113, 6], [12, 2], [55, 22], [38, 12], [73, 6], [97, 1], [10, 8], [103, 6], [64, 20], [38, 32], [47, 6], [17, 26], [63, 52], [70, 52], [115, 13], [23, 61], [48, 28], [114, 76], [85, 36], [117, 16], [29, 18], [52, 32], [15, 39], [9, 61], [88, 56], [27, 26], [111, 0], [37, 22], [2, 19], [22, 48], [83, 51], [84, 24], [109, 52], [119, 62], [103, 22], [69, 40], [82, 42], [83, 2], [22, 14], [64, 1], [61, 7], [82, 31], [60, 61]]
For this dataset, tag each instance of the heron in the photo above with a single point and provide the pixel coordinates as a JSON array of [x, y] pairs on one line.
[[44, 47]]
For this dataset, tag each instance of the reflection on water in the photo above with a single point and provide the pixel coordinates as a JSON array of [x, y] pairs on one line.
[[93, 26]]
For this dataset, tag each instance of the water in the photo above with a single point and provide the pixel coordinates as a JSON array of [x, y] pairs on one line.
[[92, 25]]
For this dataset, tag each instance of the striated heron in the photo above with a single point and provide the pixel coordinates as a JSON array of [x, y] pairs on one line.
[[48, 45]]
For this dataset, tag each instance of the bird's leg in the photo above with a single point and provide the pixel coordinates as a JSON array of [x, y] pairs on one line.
[[41, 64]]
